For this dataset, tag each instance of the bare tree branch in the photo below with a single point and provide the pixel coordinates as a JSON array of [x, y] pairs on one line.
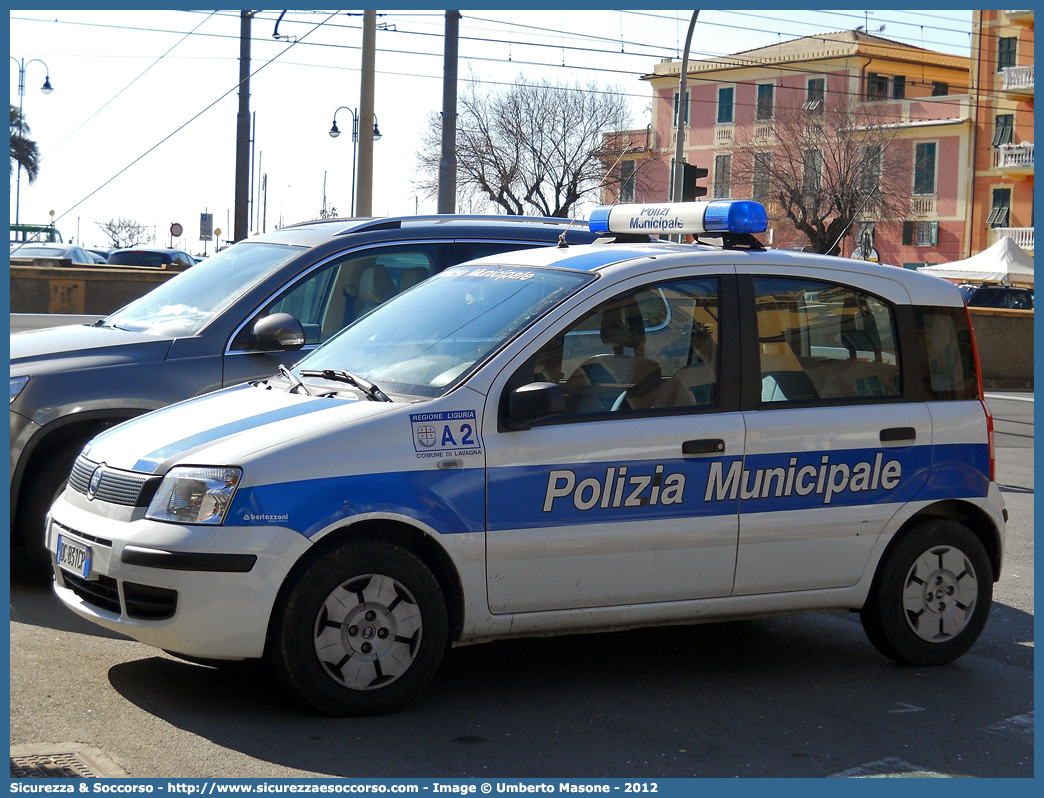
[[533, 147]]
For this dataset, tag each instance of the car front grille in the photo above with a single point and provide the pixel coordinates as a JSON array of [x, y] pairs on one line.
[[115, 486], [149, 603], [102, 592]]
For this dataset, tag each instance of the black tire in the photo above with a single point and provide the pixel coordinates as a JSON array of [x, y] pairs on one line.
[[378, 616], [931, 595], [41, 488]]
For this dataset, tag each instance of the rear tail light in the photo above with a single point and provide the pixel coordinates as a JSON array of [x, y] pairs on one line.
[[993, 448]]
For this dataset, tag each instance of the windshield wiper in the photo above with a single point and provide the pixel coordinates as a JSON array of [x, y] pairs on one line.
[[294, 382], [373, 393]]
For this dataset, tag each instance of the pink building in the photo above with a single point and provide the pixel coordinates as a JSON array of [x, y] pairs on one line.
[[733, 120]]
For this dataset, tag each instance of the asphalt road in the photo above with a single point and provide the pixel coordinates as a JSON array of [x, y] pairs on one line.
[[802, 696]]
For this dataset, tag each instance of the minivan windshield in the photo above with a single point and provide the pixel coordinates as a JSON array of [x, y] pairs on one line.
[[185, 303], [425, 340]]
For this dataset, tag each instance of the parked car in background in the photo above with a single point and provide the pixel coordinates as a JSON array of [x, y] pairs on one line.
[[997, 296], [151, 257], [101, 253], [73, 253], [240, 315]]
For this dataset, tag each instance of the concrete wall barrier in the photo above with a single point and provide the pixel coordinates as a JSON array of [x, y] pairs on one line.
[[1004, 339], [48, 285]]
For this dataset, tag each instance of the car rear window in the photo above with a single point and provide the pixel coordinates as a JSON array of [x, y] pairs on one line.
[[139, 258], [947, 354]]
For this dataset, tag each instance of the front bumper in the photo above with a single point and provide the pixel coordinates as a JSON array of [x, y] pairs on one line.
[[197, 590]]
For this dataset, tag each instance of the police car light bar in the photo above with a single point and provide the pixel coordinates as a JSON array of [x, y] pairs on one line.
[[695, 218]]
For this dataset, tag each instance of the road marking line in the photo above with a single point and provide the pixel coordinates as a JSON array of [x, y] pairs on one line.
[[889, 768], [905, 708], [1019, 727], [1008, 398]]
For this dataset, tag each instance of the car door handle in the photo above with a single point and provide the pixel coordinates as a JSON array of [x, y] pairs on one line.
[[709, 446], [898, 434]]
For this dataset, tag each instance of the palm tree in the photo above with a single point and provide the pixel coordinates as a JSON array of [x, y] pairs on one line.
[[24, 151]]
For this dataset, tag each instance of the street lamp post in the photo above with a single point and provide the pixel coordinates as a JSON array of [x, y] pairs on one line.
[[46, 89], [335, 132]]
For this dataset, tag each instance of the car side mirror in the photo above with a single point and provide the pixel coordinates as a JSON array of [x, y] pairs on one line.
[[533, 402], [278, 331]]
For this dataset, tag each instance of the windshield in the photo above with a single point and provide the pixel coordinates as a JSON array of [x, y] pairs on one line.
[[184, 304], [424, 340]]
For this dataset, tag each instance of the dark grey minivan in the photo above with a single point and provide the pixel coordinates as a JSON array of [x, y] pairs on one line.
[[236, 316]]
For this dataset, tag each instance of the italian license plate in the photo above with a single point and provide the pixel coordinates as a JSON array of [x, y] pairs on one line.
[[74, 556]]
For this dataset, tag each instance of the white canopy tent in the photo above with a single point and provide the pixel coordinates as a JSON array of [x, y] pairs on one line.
[[1004, 262]]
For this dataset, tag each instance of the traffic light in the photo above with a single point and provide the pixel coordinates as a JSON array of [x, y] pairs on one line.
[[690, 174]]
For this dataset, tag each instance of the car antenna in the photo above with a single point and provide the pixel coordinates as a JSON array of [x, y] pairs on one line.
[[562, 238]]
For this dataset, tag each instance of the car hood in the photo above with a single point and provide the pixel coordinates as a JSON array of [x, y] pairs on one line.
[[92, 345], [226, 427]]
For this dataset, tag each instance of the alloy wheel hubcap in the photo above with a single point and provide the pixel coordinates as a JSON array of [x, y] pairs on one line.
[[367, 632], [939, 594]]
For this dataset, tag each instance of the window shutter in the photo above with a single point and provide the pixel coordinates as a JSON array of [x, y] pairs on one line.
[[908, 233]]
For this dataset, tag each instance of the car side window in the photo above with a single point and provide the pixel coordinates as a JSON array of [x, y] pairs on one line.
[[651, 349], [335, 295], [820, 342]]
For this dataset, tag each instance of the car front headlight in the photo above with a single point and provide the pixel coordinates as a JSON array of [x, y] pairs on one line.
[[17, 383], [195, 495]]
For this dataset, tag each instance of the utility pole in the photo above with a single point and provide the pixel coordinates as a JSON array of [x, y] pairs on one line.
[[364, 199], [242, 198], [448, 161], [683, 110]]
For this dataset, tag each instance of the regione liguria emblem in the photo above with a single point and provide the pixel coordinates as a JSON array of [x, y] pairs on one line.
[[447, 433]]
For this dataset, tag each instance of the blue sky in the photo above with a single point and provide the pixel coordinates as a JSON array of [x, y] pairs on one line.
[[141, 122]]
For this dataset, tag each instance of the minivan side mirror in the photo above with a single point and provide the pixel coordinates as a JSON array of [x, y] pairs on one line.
[[278, 331], [533, 402]]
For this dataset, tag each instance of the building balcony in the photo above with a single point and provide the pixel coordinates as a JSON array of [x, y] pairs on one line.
[[724, 135], [763, 131], [1014, 160], [1018, 80], [1023, 236], [1024, 17], [923, 204]]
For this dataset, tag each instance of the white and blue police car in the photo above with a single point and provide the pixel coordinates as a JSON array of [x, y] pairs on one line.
[[554, 441]]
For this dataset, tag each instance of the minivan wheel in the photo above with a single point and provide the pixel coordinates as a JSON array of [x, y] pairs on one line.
[[931, 596], [361, 630]]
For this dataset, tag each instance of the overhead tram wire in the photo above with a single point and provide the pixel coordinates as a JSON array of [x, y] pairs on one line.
[[550, 66], [183, 126], [135, 80]]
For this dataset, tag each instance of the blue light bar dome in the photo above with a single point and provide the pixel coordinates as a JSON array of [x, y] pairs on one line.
[[669, 218]]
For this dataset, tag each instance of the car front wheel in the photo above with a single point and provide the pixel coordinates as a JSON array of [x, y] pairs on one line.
[[931, 596], [361, 630]]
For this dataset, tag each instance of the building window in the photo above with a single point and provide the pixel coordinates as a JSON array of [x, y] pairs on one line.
[[723, 175], [762, 175], [924, 168], [627, 181], [1000, 209], [766, 100], [815, 92], [920, 234], [725, 110], [899, 87], [940, 89], [1004, 128], [870, 169], [688, 94], [876, 87], [1006, 52], [813, 168]]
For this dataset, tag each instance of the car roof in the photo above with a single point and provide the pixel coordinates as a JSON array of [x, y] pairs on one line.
[[321, 231], [627, 259]]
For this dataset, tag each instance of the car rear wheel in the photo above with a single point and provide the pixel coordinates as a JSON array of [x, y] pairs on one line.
[[931, 596], [361, 630]]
